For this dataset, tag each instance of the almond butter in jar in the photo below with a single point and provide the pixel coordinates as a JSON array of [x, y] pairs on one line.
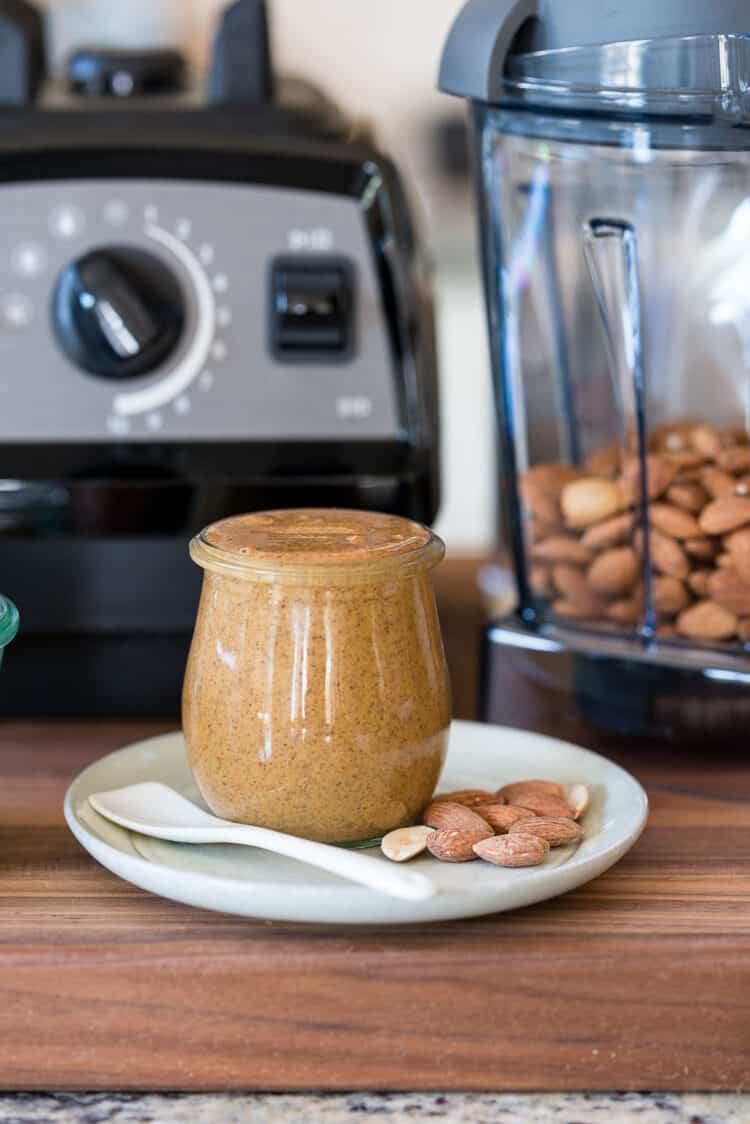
[[316, 697]]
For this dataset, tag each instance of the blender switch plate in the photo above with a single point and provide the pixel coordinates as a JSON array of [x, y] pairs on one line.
[[312, 310]]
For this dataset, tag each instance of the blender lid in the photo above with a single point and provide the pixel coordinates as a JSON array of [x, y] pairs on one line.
[[675, 49]]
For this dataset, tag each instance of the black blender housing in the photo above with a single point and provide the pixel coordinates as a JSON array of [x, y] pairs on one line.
[[484, 62], [95, 555]]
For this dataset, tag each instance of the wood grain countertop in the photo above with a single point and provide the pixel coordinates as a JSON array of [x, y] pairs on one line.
[[639, 980]]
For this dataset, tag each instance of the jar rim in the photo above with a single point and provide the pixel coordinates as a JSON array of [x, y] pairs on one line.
[[315, 571]]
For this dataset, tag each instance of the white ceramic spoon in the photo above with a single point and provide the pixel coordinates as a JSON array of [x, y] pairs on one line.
[[157, 810]]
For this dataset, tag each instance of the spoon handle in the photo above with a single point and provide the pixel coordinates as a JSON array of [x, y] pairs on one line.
[[357, 866]]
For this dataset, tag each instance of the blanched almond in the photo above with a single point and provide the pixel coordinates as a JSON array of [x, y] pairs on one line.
[[560, 548], [728, 513], [405, 843], [691, 497], [445, 816], [727, 589], [578, 798], [614, 573], [501, 817], [669, 595], [542, 805], [660, 471], [529, 787], [707, 621], [673, 521], [513, 850], [590, 500], [557, 831], [455, 846], [612, 532]]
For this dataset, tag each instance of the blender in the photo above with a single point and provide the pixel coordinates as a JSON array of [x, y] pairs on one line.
[[612, 154]]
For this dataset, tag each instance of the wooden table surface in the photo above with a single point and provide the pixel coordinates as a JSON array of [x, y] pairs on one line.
[[640, 980]]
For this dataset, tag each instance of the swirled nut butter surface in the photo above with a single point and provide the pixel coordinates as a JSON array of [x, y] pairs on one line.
[[316, 696]]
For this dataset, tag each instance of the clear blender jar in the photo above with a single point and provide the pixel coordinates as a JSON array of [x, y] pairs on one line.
[[613, 157]]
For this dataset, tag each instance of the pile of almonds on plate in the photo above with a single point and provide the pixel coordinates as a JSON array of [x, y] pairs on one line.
[[586, 540], [515, 826]]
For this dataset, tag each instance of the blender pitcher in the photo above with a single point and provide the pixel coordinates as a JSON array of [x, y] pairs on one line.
[[612, 151]]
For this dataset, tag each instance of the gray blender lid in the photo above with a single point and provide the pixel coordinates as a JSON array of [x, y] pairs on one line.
[[543, 39]]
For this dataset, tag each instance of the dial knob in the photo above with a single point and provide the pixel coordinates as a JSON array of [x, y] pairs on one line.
[[118, 312]]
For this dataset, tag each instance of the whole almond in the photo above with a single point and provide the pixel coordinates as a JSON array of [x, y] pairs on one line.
[[540, 580], [574, 587], [706, 440], [513, 850], [716, 482], [469, 797], [673, 521], [738, 545], [405, 843], [445, 816], [543, 805], [728, 513], [614, 573], [743, 630], [734, 435], [557, 832], [501, 817], [660, 473], [690, 497], [590, 500], [698, 582], [727, 589], [605, 462], [612, 532], [667, 556], [703, 549], [574, 611], [560, 548], [509, 792], [672, 436], [707, 621], [455, 846], [669, 595], [734, 459], [626, 611], [685, 459], [725, 562]]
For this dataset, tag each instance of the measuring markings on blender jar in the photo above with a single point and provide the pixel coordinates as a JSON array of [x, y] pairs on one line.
[[184, 229], [176, 382], [182, 405], [219, 351], [220, 283], [118, 426], [206, 380], [206, 253], [224, 316], [29, 259], [67, 220], [151, 213], [154, 421]]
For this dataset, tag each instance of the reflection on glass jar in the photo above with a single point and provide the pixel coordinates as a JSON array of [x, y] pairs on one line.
[[316, 697]]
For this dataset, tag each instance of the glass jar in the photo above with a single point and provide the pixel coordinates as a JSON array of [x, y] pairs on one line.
[[316, 697]]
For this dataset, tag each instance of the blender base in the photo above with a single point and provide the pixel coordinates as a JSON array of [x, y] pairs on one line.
[[634, 698]]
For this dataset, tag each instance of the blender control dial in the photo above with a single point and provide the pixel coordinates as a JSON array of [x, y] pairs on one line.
[[118, 312]]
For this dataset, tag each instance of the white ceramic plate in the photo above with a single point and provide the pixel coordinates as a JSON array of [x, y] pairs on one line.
[[252, 883]]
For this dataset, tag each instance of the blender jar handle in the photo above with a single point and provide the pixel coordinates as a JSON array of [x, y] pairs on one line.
[[610, 248]]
